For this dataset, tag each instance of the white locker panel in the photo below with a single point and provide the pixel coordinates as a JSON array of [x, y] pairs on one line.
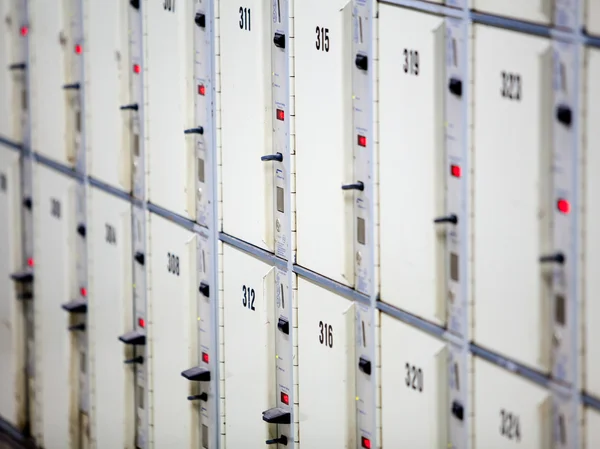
[[540, 11], [592, 224], [412, 160], [169, 39], [510, 411], [49, 40], [249, 337], [511, 193], [12, 336], [592, 428], [174, 321], [414, 387], [246, 122], [107, 89], [592, 17], [54, 231], [110, 315], [326, 373], [324, 160], [11, 81]]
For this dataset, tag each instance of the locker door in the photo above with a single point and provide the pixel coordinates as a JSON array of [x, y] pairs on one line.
[[174, 322], [107, 90], [246, 121], [54, 231], [412, 160], [325, 219], [12, 337], [250, 386], [592, 224], [414, 387], [511, 193], [593, 17], [510, 411], [592, 428], [170, 106], [49, 44], [326, 373], [110, 304], [540, 11]]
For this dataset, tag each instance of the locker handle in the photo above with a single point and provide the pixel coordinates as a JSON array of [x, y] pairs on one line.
[[277, 415], [133, 338], [197, 374], [76, 306], [449, 219], [201, 396], [138, 359], [198, 130], [558, 258], [272, 157], [77, 327], [72, 86], [81, 230], [455, 86], [129, 107], [356, 186], [362, 62], [200, 19], [364, 365], [279, 40], [281, 440], [204, 289], [23, 276], [458, 410], [135, 4], [564, 115], [17, 66], [27, 203], [139, 258], [283, 325]]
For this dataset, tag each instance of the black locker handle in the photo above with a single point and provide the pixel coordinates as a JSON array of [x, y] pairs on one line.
[[359, 185], [558, 258], [72, 86], [277, 415], [448, 219], [272, 157], [198, 130], [281, 440]]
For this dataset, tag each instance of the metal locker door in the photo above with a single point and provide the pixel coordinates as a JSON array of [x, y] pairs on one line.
[[326, 371], [12, 333], [107, 90], [110, 314], [412, 159], [540, 11], [54, 210], [414, 387], [510, 411], [511, 190], [169, 39], [174, 320], [592, 16], [324, 159], [592, 428], [246, 111], [591, 223], [250, 384]]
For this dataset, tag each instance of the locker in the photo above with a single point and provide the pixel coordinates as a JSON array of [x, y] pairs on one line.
[[250, 382], [414, 387], [414, 258], [12, 335], [54, 231], [324, 160], [109, 71], [170, 77], [510, 411], [326, 372], [591, 432], [511, 190], [540, 11], [110, 314], [592, 16], [51, 52], [591, 221], [174, 318], [246, 110]]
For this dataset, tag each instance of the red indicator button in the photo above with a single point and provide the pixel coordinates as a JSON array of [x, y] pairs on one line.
[[285, 398], [142, 322], [24, 31], [362, 141], [30, 262], [563, 206], [205, 357], [83, 291], [136, 68], [201, 89], [78, 49], [455, 171], [280, 115], [365, 442]]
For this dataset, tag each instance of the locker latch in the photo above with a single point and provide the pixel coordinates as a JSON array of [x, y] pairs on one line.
[[17, 66], [564, 115], [458, 410], [197, 374], [22, 276], [558, 258], [81, 230], [448, 219], [129, 107], [135, 3], [283, 325], [362, 62], [279, 40], [359, 185], [77, 327], [138, 359], [272, 157], [455, 86], [198, 130], [364, 365], [200, 19], [27, 203], [133, 338], [72, 86], [139, 258], [76, 306], [201, 396], [277, 415], [281, 440], [204, 289]]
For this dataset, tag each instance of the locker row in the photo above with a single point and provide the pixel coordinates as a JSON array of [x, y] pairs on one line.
[[42, 366]]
